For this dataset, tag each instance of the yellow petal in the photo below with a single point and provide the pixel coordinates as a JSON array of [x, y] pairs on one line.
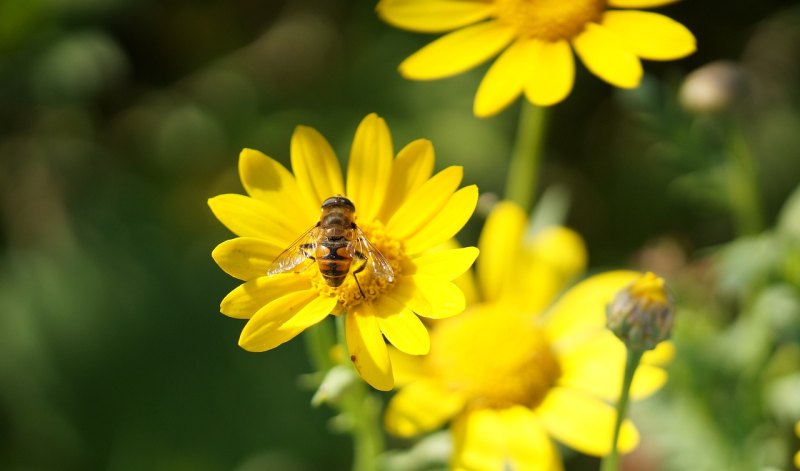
[[596, 364], [479, 441], [583, 422], [412, 167], [262, 332], [407, 368], [315, 166], [529, 446], [469, 286], [248, 217], [402, 328], [661, 355], [450, 220], [432, 16], [650, 35], [582, 308], [444, 297], [607, 56], [370, 166], [367, 349], [499, 244], [424, 204], [639, 3], [502, 83], [420, 407], [561, 248], [245, 257], [549, 261], [248, 298], [458, 51], [445, 264], [406, 293], [552, 73], [267, 180]]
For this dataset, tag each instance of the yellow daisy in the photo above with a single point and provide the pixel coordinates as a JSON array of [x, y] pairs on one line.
[[403, 212], [536, 38], [516, 371]]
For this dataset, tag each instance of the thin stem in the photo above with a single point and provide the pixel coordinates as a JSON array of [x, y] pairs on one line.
[[523, 171], [743, 183], [359, 407], [611, 461]]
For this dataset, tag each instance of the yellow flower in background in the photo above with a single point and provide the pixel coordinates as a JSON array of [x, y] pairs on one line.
[[401, 209], [525, 366], [535, 40], [797, 455]]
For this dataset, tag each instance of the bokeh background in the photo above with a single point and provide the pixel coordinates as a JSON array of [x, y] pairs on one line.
[[120, 118]]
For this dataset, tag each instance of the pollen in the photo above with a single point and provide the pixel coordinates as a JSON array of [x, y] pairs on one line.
[[497, 359], [549, 20], [373, 285]]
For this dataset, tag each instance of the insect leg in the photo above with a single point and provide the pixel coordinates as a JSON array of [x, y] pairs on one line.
[[362, 257]]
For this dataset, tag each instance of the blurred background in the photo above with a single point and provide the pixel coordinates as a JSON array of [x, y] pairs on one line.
[[120, 118]]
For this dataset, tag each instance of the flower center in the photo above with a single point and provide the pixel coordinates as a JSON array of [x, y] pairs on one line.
[[365, 280], [549, 20], [497, 360]]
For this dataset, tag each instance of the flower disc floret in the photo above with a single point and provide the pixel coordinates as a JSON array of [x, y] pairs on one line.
[[549, 20]]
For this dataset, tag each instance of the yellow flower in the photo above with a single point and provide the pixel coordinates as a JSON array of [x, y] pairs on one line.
[[402, 210], [797, 455], [536, 38], [516, 371]]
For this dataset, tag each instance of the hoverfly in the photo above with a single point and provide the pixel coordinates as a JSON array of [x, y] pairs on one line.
[[336, 244]]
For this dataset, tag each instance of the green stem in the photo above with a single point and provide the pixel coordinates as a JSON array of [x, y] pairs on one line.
[[523, 171], [358, 406], [611, 461], [743, 183]]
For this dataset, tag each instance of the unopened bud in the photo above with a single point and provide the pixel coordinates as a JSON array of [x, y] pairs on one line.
[[641, 314], [714, 87], [336, 381]]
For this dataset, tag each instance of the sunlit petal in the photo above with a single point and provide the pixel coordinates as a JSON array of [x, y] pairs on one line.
[[423, 205], [451, 219], [368, 352], [267, 180], [315, 166], [245, 257], [370, 166], [265, 330], [248, 298], [421, 407], [402, 327], [432, 16], [499, 244], [650, 35], [607, 55], [583, 422], [582, 308], [458, 51], [412, 167]]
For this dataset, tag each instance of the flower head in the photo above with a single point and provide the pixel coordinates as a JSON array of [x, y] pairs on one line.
[[400, 210], [641, 314], [535, 39], [525, 366]]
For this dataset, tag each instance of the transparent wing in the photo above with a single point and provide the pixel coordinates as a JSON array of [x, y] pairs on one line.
[[374, 259], [298, 256]]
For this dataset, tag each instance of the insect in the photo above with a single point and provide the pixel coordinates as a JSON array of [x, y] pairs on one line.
[[336, 244]]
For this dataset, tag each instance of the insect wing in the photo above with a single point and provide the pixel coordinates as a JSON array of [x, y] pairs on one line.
[[376, 261], [300, 252]]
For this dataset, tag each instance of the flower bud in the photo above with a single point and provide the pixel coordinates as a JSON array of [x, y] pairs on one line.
[[714, 87], [641, 314]]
